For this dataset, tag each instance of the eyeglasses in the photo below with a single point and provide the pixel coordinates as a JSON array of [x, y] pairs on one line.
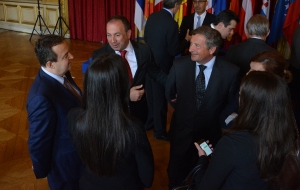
[[196, 2]]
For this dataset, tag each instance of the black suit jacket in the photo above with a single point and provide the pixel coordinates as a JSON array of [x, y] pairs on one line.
[[146, 66], [222, 88], [240, 54], [161, 34], [188, 23]]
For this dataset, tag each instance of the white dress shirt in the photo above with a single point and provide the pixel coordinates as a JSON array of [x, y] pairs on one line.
[[202, 16], [131, 58], [207, 71]]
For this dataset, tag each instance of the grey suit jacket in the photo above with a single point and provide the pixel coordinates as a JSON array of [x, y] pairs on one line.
[[222, 88]]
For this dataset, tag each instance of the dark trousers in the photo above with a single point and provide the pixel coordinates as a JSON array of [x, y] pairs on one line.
[[180, 165], [157, 107]]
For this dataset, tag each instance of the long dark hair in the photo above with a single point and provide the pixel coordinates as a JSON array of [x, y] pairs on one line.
[[265, 112], [105, 129]]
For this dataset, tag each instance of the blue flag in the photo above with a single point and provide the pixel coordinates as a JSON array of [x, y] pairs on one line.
[[281, 8], [219, 5]]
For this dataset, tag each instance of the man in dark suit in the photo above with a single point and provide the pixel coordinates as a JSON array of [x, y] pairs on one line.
[[161, 34], [202, 85], [139, 58], [49, 101], [225, 22], [257, 29], [190, 22]]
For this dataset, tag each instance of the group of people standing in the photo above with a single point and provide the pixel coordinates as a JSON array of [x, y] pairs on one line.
[[99, 141]]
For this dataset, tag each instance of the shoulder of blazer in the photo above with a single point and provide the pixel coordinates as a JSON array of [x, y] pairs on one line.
[[140, 47], [183, 61], [104, 49], [224, 65]]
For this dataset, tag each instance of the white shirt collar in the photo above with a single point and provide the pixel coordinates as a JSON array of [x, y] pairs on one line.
[[168, 11], [60, 79], [202, 15], [129, 48], [210, 63]]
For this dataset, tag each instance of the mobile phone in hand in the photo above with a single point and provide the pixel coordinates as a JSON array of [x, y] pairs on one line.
[[206, 148]]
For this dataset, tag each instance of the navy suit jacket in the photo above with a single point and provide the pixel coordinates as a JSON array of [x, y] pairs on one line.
[[146, 65], [188, 23], [161, 34], [51, 151]]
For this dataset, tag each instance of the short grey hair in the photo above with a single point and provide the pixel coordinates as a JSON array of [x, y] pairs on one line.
[[258, 25], [169, 4], [212, 36]]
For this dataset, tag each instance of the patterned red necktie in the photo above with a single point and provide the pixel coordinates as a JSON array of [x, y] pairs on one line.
[[71, 88], [123, 53]]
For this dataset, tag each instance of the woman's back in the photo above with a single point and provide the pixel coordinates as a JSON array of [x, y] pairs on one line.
[[134, 170], [233, 164]]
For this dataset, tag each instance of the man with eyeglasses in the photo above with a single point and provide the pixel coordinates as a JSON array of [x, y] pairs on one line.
[[199, 18]]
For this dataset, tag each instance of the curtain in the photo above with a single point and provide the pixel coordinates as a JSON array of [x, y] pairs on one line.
[[87, 18]]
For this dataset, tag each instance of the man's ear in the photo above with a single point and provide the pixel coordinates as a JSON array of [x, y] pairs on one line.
[[212, 50], [268, 33], [49, 65], [129, 33]]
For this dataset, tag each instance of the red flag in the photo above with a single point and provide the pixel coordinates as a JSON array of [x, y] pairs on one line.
[[209, 7], [291, 20], [245, 14], [235, 6]]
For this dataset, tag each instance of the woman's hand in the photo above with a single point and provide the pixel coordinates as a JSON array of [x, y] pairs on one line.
[[201, 152]]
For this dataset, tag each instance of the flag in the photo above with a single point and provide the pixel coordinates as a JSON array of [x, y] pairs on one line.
[[235, 6], [148, 9], [291, 20], [246, 13], [281, 8], [181, 12], [139, 19], [157, 1], [265, 8], [219, 5], [209, 6]]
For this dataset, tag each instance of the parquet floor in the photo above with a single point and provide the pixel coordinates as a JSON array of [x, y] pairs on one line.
[[18, 67]]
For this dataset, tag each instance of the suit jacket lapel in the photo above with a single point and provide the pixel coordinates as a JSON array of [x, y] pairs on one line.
[[213, 83], [138, 56], [191, 23], [57, 87]]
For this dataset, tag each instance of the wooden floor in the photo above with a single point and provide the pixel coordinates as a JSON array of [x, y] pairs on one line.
[[18, 67]]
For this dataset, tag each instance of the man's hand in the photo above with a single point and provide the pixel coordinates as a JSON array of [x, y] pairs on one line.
[[136, 93], [187, 36]]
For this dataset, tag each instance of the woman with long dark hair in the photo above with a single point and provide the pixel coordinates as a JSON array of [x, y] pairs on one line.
[[111, 143], [261, 137]]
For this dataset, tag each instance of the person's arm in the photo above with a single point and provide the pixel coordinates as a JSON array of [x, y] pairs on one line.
[[170, 90], [232, 101], [144, 158], [154, 72], [220, 166], [42, 122]]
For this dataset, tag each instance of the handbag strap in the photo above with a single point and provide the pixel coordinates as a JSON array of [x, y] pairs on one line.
[[192, 173]]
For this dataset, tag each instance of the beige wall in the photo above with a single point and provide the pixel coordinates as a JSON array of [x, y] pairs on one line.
[[20, 15]]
